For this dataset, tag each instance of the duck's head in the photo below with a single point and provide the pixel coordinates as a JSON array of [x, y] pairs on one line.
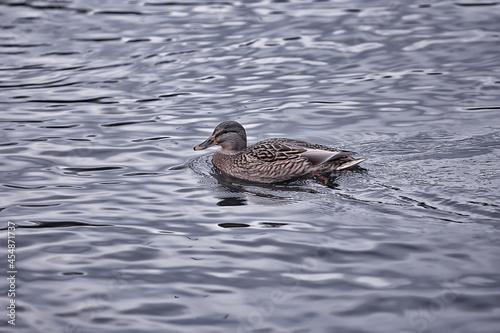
[[230, 135]]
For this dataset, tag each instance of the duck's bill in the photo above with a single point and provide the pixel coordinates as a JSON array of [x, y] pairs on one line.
[[205, 144]]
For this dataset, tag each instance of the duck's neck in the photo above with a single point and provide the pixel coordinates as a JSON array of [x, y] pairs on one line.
[[233, 144], [227, 151]]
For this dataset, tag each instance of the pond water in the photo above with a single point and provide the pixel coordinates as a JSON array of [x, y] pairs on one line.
[[122, 227]]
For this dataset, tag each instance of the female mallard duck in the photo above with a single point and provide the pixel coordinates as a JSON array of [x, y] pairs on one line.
[[272, 160]]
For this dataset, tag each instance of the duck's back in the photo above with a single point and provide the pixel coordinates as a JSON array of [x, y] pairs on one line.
[[280, 159]]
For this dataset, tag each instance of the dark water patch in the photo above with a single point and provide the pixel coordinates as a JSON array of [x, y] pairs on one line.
[[188, 3], [273, 224], [352, 10], [151, 139], [19, 187], [146, 100], [24, 45], [233, 225], [27, 67], [163, 309], [44, 5], [38, 85], [165, 62], [232, 202], [40, 205], [324, 102], [79, 140], [84, 69], [138, 40], [23, 121], [97, 100], [92, 169], [101, 39], [59, 53], [73, 273], [483, 203], [174, 95], [424, 205], [13, 52], [485, 108], [138, 174], [70, 68], [472, 4], [125, 123], [180, 52], [61, 126], [60, 224], [46, 138], [111, 12]]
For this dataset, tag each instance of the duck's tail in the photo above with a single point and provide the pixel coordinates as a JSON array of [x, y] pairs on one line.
[[349, 164]]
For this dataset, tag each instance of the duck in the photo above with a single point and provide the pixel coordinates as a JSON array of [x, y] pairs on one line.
[[272, 160]]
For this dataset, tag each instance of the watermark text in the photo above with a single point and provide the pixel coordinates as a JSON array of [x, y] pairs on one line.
[[11, 272]]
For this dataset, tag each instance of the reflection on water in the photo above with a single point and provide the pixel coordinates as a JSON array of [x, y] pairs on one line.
[[120, 224]]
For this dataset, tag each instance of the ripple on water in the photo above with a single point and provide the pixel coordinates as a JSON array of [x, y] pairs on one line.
[[120, 224]]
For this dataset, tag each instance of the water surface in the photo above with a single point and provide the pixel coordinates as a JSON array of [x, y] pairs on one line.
[[122, 227]]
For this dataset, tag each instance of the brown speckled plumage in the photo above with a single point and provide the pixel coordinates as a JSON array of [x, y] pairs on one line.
[[272, 160]]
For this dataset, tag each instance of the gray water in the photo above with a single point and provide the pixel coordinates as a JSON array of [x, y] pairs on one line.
[[122, 227]]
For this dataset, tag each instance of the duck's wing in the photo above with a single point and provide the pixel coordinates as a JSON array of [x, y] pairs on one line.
[[275, 150], [317, 156], [285, 149]]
